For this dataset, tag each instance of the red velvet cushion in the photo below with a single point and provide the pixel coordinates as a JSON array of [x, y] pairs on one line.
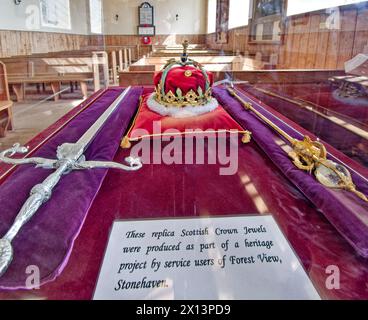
[[217, 120]]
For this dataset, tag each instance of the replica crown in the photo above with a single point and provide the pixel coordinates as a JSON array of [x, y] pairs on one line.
[[183, 83]]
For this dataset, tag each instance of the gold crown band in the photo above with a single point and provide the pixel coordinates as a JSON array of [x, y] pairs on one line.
[[191, 98]]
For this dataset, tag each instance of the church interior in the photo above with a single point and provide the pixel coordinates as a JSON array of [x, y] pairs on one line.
[[289, 76]]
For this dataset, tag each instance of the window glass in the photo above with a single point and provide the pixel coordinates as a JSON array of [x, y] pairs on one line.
[[211, 17], [239, 13], [95, 11]]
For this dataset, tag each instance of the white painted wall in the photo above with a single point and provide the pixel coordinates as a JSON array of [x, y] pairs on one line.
[[192, 16], [13, 17]]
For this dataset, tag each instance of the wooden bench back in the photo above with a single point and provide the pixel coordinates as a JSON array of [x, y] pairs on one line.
[[36, 66], [4, 90], [134, 49], [253, 77]]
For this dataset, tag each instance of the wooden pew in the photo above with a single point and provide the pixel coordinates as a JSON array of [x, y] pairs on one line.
[[139, 78], [253, 77], [178, 47], [134, 49], [100, 61], [119, 60], [174, 54], [53, 69], [193, 50], [19, 84], [6, 114], [144, 50], [210, 63]]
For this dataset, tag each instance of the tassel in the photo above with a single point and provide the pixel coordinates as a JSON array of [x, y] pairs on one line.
[[125, 143], [247, 137]]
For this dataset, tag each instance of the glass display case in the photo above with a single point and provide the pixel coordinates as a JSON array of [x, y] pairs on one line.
[[115, 142]]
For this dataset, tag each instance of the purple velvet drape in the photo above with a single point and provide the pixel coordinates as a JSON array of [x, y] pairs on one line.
[[344, 210], [47, 240]]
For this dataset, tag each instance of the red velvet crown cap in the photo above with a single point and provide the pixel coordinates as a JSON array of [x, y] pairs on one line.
[[177, 78]]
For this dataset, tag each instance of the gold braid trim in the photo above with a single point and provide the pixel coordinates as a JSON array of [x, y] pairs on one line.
[[247, 136], [125, 142]]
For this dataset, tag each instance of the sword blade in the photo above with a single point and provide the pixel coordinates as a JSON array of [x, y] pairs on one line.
[[83, 143]]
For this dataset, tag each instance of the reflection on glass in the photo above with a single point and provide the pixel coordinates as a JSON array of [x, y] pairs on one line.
[[303, 62]]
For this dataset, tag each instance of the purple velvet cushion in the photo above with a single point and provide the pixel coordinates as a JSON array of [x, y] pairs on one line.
[[47, 240]]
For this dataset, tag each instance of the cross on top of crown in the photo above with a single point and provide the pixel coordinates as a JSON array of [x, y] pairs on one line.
[[184, 56], [185, 46]]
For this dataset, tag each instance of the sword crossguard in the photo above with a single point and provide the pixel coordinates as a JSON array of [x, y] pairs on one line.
[[134, 165], [134, 162], [17, 148], [66, 153]]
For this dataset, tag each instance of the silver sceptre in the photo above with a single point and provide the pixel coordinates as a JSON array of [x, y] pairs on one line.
[[69, 157]]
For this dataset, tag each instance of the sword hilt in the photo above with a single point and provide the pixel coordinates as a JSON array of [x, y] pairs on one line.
[[40, 194]]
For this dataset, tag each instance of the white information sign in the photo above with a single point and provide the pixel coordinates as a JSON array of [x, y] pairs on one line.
[[146, 31], [235, 258]]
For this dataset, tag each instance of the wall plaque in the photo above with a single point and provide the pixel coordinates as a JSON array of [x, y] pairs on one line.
[[146, 31], [146, 20]]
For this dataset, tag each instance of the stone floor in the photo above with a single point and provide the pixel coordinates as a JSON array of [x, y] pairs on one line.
[[35, 115]]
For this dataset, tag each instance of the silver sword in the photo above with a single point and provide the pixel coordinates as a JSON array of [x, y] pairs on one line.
[[70, 156]]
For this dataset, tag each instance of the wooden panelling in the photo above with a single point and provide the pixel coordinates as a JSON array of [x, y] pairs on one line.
[[25, 43], [361, 33], [122, 40], [308, 41], [347, 33], [312, 45], [303, 42], [285, 51], [332, 49], [298, 25], [322, 43], [21, 43]]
